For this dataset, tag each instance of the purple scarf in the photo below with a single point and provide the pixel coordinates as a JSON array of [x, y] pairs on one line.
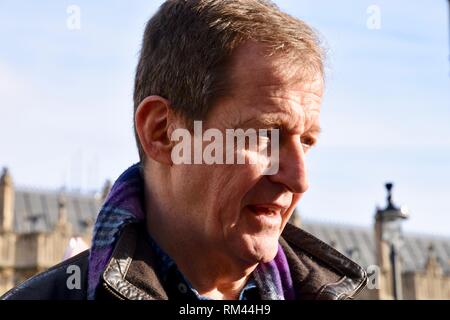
[[124, 205]]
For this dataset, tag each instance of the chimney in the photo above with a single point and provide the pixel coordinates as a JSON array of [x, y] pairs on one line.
[[62, 209], [6, 201], [62, 223]]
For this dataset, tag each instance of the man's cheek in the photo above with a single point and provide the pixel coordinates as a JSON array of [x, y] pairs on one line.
[[260, 163], [296, 199]]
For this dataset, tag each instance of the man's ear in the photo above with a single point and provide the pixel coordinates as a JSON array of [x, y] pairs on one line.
[[152, 121]]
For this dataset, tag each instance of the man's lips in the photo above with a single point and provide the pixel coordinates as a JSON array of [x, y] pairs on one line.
[[267, 209]]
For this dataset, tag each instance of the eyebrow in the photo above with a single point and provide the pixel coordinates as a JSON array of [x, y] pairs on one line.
[[268, 121], [276, 121], [315, 129]]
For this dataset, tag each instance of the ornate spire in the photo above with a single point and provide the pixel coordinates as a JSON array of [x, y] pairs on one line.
[[432, 265], [432, 251], [392, 211], [390, 205], [106, 188], [63, 224], [7, 195], [6, 178], [62, 209]]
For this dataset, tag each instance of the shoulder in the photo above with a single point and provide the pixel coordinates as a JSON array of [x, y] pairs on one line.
[[64, 281]]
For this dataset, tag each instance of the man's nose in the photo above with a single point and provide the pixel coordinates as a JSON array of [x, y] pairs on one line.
[[292, 166]]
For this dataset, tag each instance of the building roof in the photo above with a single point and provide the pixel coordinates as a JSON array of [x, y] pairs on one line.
[[358, 243], [38, 211]]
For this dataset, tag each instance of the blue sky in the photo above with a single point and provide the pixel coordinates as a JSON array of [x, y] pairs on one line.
[[66, 102]]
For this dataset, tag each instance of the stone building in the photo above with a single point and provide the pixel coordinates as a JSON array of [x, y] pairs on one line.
[[425, 261], [37, 226]]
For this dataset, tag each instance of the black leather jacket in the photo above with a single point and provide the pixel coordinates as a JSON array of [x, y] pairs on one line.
[[318, 272]]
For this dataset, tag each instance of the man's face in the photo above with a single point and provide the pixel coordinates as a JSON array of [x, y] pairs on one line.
[[234, 208]]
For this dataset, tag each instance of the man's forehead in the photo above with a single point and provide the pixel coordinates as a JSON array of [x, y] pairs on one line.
[[268, 97], [292, 108], [252, 68], [263, 94]]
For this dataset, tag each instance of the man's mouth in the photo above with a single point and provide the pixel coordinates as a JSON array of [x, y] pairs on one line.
[[264, 209], [266, 216]]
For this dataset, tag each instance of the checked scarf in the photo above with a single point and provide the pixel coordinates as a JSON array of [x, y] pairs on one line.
[[124, 205]]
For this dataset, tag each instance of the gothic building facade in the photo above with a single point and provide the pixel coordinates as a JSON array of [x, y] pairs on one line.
[[36, 228]]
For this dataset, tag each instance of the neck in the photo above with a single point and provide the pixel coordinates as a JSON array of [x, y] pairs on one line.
[[213, 274]]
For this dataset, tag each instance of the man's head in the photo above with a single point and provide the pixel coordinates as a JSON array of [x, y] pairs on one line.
[[232, 64]]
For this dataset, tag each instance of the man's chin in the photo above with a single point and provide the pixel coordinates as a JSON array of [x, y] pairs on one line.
[[268, 253], [258, 249]]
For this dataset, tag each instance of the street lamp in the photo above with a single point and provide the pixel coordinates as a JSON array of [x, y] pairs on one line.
[[391, 218]]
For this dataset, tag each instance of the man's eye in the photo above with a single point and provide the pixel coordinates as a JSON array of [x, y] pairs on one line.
[[308, 142]]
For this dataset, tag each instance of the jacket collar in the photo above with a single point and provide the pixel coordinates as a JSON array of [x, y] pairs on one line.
[[318, 271]]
